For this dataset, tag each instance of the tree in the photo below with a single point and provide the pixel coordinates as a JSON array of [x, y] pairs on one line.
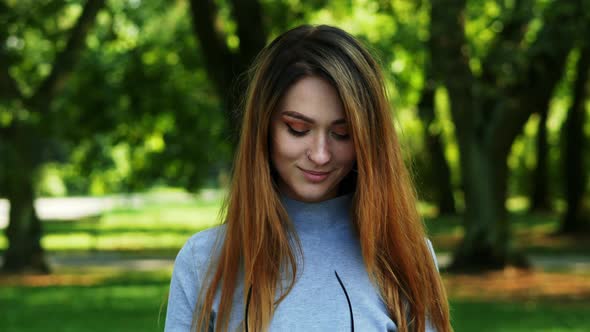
[[439, 168], [575, 174], [224, 65], [540, 199], [490, 109], [23, 140]]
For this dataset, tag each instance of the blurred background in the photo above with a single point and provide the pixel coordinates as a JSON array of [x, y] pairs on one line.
[[118, 121]]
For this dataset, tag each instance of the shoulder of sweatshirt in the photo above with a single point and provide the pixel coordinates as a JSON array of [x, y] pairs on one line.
[[194, 256], [429, 243]]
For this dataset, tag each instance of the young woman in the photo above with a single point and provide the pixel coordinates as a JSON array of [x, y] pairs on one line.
[[321, 230]]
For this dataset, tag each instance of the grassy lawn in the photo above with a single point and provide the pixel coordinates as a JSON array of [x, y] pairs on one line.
[[520, 316], [108, 299], [129, 302], [136, 302]]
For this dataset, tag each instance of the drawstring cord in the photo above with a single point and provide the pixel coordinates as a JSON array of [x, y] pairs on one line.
[[341, 285], [248, 305], [347, 300]]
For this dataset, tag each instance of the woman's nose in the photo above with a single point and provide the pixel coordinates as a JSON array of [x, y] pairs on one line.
[[320, 153]]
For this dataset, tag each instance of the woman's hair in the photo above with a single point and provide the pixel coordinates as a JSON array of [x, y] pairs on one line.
[[259, 237]]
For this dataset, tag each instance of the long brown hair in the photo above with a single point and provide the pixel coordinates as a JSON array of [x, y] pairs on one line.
[[258, 236]]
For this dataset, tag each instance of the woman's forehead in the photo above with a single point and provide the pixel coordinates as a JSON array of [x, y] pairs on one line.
[[312, 99]]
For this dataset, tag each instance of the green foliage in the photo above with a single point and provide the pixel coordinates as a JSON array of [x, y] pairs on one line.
[[150, 97], [139, 109]]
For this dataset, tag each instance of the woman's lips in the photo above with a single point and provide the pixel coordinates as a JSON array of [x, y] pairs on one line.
[[315, 177]]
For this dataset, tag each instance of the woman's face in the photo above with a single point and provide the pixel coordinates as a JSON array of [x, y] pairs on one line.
[[311, 147]]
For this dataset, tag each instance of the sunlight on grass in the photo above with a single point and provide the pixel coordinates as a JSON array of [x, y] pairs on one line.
[[119, 241], [170, 216], [68, 241]]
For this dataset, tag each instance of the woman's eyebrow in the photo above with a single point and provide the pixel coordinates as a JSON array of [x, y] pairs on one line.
[[299, 116], [310, 120]]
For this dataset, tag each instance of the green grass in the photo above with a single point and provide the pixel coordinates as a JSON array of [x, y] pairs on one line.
[[520, 316], [136, 302], [125, 303]]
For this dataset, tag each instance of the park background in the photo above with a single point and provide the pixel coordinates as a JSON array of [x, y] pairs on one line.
[[118, 121]]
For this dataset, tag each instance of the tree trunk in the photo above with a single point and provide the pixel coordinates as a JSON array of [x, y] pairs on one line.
[[490, 111], [540, 195], [20, 165], [575, 174], [224, 66], [486, 243], [483, 164], [24, 253], [440, 174]]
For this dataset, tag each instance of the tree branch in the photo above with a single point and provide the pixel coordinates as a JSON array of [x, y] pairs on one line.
[[505, 47], [8, 86], [66, 59]]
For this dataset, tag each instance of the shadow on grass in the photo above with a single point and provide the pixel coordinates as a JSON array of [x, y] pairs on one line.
[[97, 230], [533, 234]]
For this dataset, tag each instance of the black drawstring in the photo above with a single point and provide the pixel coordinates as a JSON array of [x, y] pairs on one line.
[[341, 285], [248, 305], [348, 300]]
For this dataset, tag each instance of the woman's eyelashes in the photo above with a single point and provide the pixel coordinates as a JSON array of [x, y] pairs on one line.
[[341, 137], [340, 133], [298, 130]]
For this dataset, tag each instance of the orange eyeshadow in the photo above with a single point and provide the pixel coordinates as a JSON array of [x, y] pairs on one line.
[[296, 125]]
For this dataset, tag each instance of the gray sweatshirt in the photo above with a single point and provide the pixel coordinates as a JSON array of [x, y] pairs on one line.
[[332, 290]]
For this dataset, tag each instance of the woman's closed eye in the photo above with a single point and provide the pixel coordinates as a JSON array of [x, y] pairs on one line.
[[340, 133], [297, 129], [300, 131], [340, 136]]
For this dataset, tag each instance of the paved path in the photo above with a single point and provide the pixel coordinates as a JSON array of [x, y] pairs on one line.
[[73, 208], [107, 260], [70, 208]]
